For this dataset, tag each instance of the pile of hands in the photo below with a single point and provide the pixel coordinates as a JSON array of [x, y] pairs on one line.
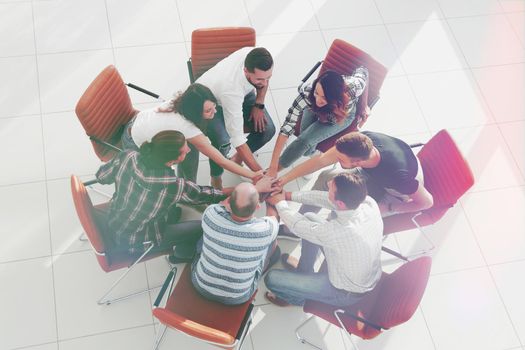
[[269, 187]]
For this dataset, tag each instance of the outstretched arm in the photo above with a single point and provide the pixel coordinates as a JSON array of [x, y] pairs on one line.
[[311, 165], [204, 146]]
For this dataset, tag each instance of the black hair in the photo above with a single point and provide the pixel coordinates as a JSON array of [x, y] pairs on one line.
[[191, 102], [259, 58]]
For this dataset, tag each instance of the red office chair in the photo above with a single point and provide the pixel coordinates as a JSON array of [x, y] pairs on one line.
[[214, 323], [392, 302], [211, 45], [94, 222], [344, 58], [447, 177]]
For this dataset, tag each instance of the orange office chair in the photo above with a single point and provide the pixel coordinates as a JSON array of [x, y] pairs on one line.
[[392, 302], [211, 45], [214, 323], [344, 58], [103, 110], [447, 177], [93, 220]]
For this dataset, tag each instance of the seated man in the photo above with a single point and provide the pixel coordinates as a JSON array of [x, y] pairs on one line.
[[350, 238], [232, 82], [392, 171], [393, 177], [147, 191], [236, 246]]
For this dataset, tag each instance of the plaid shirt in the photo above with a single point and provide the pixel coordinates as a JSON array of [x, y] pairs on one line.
[[355, 85], [139, 207]]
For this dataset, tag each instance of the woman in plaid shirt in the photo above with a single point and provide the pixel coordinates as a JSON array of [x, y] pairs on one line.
[[146, 190], [325, 108]]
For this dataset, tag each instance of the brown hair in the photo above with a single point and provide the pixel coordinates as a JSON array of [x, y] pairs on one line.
[[350, 188], [163, 148], [337, 99], [190, 104], [355, 145]]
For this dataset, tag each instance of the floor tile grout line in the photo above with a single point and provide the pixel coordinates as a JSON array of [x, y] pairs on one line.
[[188, 54], [145, 325], [429, 331], [110, 33], [52, 265], [469, 222], [514, 30]]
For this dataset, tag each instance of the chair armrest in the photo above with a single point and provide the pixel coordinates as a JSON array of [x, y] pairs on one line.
[[144, 91], [90, 182], [167, 282], [309, 74], [358, 318], [246, 321], [190, 70]]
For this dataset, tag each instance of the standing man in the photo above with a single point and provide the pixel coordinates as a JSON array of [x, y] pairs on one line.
[[233, 81]]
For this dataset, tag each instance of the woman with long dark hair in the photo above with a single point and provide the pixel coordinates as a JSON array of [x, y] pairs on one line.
[[326, 107], [189, 112]]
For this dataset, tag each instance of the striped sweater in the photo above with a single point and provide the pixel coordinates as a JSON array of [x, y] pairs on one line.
[[233, 253]]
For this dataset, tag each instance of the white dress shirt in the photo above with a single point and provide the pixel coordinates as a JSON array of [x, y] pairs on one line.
[[229, 85], [351, 241]]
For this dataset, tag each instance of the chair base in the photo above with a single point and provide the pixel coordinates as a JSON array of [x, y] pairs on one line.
[[307, 342], [104, 300]]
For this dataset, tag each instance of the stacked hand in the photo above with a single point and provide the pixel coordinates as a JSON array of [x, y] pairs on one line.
[[276, 198], [266, 184]]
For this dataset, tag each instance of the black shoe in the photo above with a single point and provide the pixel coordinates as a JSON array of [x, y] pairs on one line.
[[179, 260], [273, 259], [284, 232]]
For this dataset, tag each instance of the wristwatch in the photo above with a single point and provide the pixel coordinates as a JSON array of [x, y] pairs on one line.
[[259, 105]]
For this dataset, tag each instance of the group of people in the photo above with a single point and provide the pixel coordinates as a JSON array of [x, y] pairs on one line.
[[374, 175]]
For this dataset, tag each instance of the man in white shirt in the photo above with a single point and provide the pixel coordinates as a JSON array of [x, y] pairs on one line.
[[233, 81], [350, 239]]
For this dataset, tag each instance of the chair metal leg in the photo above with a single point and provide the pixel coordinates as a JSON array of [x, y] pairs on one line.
[[107, 195], [303, 339], [82, 237], [342, 326], [159, 336], [104, 300], [424, 251]]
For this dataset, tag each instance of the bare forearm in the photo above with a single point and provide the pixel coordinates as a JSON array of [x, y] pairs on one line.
[[261, 94], [247, 156], [310, 166]]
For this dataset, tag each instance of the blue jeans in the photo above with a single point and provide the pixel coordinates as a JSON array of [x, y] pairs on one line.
[[296, 288], [221, 140], [312, 132]]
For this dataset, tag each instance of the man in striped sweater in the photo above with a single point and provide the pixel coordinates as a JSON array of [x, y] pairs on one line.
[[236, 246]]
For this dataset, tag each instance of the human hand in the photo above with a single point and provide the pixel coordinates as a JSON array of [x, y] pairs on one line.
[[266, 184], [363, 117], [276, 198], [257, 175], [271, 171], [259, 120]]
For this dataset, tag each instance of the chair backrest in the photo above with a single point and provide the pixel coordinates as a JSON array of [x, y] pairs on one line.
[[86, 215], [392, 302], [103, 110], [446, 172], [398, 294], [344, 58], [196, 316], [447, 177], [211, 45]]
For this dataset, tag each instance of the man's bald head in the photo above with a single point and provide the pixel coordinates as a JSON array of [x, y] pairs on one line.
[[244, 200]]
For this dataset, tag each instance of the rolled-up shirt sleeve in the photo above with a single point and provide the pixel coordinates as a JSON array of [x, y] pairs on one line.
[[233, 118]]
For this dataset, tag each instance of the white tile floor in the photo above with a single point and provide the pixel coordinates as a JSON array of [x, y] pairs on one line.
[[455, 64]]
